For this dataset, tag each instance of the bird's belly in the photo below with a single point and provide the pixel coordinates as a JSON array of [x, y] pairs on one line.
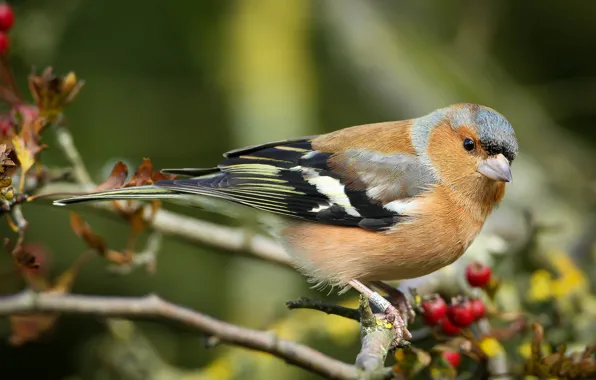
[[330, 255]]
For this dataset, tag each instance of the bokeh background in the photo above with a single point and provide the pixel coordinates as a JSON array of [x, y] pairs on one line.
[[183, 81]]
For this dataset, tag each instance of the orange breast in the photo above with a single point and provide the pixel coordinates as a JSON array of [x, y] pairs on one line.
[[434, 238]]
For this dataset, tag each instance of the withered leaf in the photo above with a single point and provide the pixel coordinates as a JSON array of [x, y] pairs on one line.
[[142, 175], [34, 267], [84, 231], [52, 93], [24, 258], [159, 176], [116, 179], [6, 159], [577, 365], [7, 168], [30, 327]]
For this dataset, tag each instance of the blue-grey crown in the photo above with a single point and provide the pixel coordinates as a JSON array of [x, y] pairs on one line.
[[495, 132]]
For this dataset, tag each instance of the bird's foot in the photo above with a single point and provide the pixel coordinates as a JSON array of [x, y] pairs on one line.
[[387, 314], [394, 318], [397, 298]]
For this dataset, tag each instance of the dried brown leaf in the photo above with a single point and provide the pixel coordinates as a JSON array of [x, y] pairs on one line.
[[37, 257], [142, 175], [30, 327], [52, 93], [5, 159], [578, 365], [159, 176], [116, 179], [24, 258], [84, 231], [7, 169]]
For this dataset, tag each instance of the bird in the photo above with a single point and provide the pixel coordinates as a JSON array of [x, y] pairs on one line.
[[364, 204]]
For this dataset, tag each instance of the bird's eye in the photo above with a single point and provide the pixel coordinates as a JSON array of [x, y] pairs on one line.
[[469, 144]]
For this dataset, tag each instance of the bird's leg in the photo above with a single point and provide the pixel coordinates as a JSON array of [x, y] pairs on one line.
[[397, 298], [388, 312]]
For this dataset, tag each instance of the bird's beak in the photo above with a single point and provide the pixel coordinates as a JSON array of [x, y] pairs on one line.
[[496, 168]]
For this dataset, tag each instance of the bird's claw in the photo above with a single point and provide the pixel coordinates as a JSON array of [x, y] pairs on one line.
[[394, 319]]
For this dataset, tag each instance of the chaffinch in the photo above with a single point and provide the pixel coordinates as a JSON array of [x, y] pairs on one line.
[[384, 201]]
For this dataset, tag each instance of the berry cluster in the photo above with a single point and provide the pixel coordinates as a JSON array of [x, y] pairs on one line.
[[461, 312], [6, 21]]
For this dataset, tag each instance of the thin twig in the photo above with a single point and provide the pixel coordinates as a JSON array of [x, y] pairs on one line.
[[66, 143], [19, 218], [153, 306], [307, 303]]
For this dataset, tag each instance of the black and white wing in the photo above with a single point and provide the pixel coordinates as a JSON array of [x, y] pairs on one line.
[[291, 178]]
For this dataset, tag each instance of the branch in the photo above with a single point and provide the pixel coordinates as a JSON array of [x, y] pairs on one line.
[[307, 303], [376, 339], [153, 306], [66, 144]]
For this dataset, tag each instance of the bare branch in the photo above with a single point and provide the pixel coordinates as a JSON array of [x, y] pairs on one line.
[[153, 306], [66, 143], [307, 303], [376, 339]]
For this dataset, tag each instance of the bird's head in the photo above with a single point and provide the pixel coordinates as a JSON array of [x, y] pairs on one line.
[[467, 144]]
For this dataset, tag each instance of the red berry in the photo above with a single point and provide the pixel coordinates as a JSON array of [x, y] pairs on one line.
[[435, 309], [452, 357], [448, 328], [4, 42], [460, 314], [478, 308], [478, 274], [6, 17]]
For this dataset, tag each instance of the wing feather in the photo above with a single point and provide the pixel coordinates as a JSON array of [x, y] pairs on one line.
[[293, 179]]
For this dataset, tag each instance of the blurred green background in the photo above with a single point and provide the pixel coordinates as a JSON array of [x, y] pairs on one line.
[[183, 81]]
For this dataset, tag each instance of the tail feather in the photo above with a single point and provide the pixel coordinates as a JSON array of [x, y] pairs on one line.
[[138, 192]]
